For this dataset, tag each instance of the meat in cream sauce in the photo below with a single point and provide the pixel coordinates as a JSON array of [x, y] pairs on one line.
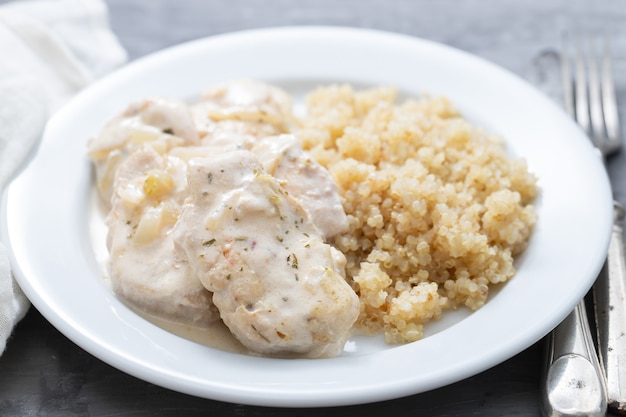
[[216, 213]]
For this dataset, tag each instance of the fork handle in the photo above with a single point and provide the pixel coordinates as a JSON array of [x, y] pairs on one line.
[[610, 304], [573, 380]]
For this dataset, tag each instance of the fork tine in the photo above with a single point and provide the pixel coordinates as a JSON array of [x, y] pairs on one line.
[[566, 77], [582, 103], [589, 93], [595, 98], [609, 101]]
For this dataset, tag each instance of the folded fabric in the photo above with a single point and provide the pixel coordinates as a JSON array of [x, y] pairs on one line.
[[56, 47], [22, 115]]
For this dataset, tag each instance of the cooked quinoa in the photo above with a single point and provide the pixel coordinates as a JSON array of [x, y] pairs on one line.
[[437, 209]]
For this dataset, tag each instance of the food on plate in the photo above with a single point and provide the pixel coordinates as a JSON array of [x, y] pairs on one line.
[[158, 123], [170, 257], [361, 215], [305, 180], [437, 209], [145, 188], [279, 288], [144, 269]]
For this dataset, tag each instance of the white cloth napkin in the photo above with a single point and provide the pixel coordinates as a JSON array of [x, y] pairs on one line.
[[51, 49]]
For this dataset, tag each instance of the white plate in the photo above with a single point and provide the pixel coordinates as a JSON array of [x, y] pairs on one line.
[[48, 221]]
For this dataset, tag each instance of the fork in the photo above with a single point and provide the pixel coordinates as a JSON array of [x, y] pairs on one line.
[[591, 101], [609, 291]]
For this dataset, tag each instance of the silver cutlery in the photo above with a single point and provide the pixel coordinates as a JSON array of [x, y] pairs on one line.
[[609, 291], [575, 382]]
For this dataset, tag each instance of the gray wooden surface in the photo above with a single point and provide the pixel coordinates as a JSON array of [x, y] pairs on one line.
[[42, 373]]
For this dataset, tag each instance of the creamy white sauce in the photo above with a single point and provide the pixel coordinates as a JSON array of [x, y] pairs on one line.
[[216, 335]]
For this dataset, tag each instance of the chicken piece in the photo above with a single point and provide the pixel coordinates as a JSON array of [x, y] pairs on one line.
[[145, 270], [299, 174], [305, 180], [279, 288], [257, 104], [233, 116], [159, 123], [232, 135]]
